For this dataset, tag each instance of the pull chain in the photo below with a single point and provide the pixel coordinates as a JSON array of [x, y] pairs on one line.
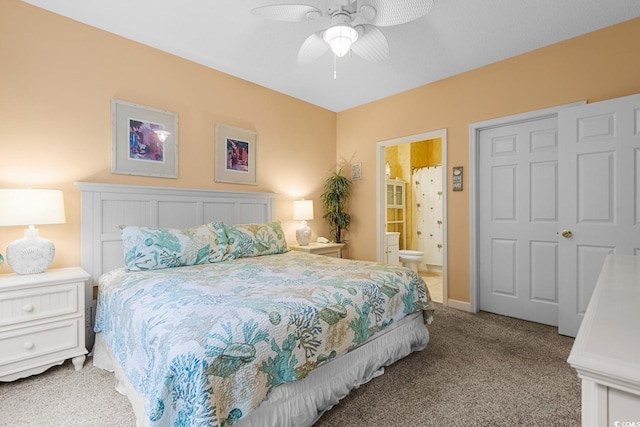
[[335, 70]]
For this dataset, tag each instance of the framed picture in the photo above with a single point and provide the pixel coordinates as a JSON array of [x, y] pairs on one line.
[[457, 178], [144, 140], [235, 155]]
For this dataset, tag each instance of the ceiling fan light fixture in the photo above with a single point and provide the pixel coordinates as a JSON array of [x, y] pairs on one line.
[[340, 38]]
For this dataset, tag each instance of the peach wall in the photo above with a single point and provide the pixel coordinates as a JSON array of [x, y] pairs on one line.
[[57, 79], [594, 67]]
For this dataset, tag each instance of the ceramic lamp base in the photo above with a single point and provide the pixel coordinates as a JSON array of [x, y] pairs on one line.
[[31, 254], [303, 234]]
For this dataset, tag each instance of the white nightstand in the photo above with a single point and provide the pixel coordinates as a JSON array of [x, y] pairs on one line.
[[42, 321], [328, 249]]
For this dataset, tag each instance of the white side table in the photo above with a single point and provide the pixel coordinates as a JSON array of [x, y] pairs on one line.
[[327, 249], [42, 321]]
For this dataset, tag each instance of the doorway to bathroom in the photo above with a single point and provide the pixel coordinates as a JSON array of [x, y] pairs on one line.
[[411, 173]]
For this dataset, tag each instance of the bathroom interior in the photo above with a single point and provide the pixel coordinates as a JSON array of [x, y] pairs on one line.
[[414, 209]]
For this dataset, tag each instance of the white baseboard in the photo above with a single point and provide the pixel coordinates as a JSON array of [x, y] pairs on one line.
[[459, 305]]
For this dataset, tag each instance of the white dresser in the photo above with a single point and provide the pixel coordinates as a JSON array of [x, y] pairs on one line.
[[606, 352], [42, 321]]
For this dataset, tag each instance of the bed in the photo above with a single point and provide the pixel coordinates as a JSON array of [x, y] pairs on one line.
[[221, 324]]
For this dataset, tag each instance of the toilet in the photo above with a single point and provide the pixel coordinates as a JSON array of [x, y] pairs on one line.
[[411, 259]]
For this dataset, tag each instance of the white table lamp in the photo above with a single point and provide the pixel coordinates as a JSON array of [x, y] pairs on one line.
[[302, 211], [31, 254]]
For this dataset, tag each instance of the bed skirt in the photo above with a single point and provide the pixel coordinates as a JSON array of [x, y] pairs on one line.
[[302, 403]]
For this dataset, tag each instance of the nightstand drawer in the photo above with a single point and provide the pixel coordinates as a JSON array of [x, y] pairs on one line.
[[27, 343], [38, 303], [330, 252]]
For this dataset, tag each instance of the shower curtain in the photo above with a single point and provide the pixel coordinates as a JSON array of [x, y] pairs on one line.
[[427, 214]]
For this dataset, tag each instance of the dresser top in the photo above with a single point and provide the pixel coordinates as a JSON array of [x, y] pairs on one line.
[[608, 342]]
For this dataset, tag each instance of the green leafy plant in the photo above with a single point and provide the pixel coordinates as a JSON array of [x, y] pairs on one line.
[[334, 200]]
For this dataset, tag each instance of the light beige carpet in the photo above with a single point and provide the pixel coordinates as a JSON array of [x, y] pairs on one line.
[[478, 370]]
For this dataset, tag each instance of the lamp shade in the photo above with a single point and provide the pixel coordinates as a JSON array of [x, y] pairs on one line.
[[302, 210], [31, 254], [340, 38], [31, 206]]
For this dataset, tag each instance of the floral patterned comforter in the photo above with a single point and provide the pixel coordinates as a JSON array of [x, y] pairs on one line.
[[205, 344]]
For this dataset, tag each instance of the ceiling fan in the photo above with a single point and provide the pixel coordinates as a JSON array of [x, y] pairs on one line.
[[353, 25]]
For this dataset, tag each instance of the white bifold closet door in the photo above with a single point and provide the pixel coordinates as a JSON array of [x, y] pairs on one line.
[[556, 196]]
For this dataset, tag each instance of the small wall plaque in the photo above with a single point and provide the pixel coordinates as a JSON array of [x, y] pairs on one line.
[[457, 178]]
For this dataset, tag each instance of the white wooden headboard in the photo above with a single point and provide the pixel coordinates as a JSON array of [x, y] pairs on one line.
[[104, 207]]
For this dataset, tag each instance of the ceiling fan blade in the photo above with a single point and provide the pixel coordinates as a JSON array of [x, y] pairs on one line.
[[371, 45], [385, 13], [288, 12], [312, 48]]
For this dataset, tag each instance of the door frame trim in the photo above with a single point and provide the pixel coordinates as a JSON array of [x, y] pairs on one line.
[[381, 191], [474, 186]]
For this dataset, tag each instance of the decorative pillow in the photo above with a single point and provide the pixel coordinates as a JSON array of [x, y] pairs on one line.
[[150, 248], [249, 240]]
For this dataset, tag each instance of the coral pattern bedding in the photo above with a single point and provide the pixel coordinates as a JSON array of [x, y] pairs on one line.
[[205, 344]]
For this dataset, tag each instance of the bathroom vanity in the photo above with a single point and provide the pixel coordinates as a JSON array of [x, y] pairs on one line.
[[392, 248]]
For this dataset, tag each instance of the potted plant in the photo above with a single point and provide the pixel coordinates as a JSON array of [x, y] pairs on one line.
[[334, 199]]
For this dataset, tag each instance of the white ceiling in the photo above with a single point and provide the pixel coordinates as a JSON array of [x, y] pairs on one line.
[[457, 36]]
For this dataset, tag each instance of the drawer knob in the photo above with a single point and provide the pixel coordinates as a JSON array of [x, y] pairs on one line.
[[27, 307], [28, 345]]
